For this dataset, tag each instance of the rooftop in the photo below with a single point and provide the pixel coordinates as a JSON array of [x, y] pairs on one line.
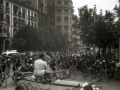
[[26, 4]]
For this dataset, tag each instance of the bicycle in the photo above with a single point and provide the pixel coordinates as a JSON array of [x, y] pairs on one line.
[[88, 73], [3, 77]]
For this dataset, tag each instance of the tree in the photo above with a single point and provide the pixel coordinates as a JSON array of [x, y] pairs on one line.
[[31, 36], [19, 42], [97, 29], [86, 21], [40, 39]]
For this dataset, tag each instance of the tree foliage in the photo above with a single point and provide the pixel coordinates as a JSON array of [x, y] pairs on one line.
[[37, 39], [98, 29]]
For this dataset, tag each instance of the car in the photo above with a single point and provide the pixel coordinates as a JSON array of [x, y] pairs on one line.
[[10, 52], [58, 84]]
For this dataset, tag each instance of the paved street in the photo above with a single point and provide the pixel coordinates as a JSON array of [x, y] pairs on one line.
[[112, 85]]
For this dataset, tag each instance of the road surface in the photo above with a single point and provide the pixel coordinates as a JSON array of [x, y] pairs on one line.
[[112, 85]]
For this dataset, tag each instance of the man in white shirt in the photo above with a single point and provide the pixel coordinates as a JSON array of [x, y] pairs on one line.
[[40, 67]]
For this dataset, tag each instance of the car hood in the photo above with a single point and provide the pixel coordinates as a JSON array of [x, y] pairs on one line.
[[67, 83]]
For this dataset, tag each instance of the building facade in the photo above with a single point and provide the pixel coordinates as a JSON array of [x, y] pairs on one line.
[[46, 13], [63, 17], [14, 14]]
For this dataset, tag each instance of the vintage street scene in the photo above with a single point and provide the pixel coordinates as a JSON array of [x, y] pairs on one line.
[[59, 44]]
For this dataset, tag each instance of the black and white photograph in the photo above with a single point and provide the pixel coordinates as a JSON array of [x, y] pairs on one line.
[[59, 44]]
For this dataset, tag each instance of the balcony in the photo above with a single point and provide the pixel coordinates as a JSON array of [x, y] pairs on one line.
[[7, 10], [1, 8]]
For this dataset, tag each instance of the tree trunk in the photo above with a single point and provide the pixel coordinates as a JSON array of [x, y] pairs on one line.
[[109, 50], [104, 51]]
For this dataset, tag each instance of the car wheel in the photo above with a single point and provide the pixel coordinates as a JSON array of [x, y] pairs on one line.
[[21, 87]]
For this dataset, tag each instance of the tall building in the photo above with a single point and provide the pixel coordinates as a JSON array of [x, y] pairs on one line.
[[51, 12], [46, 11], [42, 12], [14, 14], [63, 16]]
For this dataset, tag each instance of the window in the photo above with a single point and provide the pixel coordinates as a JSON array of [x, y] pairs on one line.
[[65, 2], [59, 27], [20, 22], [66, 10], [7, 5], [32, 24], [35, 25], [15, 9], [58, 19], [23, 22], [8, 19], [29, 23], [15, 21], [0, 28], [58, 10], [65, 27], [1, 16], [29, 15], [58, 2], [23, 14], [66, 19], [14, 31], [45, 9]]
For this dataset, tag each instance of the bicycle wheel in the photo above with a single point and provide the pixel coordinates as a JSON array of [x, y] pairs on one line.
[[84, 74], [90, 75], [72, 74], [75, 71], [67, 74], [106, 78], [4, 82], [8, 72], [14, 79]]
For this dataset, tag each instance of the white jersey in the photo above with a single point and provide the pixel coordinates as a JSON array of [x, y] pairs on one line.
[[39, 67]]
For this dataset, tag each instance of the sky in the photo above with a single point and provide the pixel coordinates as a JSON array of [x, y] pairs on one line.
[[100, 4]]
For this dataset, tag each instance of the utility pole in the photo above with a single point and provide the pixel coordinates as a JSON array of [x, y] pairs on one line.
[[94, 21], [119, 31]]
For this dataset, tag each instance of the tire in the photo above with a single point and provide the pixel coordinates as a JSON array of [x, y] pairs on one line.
[[21, 87]]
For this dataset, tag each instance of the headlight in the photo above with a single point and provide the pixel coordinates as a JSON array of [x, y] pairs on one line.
[[97, 87], [87, 86]]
